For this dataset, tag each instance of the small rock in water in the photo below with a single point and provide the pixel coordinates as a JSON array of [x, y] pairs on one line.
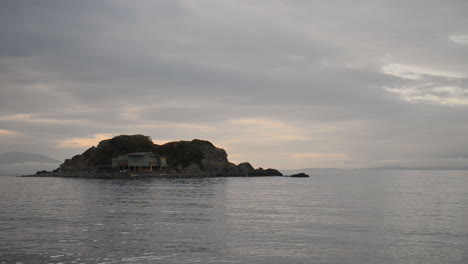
[[299, 175]]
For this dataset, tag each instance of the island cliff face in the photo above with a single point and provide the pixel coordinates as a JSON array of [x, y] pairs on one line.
[[184, 158]]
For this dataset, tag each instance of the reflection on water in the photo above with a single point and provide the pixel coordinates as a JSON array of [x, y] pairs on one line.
[[332, 217]]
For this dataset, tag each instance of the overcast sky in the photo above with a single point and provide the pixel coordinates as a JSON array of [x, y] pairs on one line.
[[283, 84]]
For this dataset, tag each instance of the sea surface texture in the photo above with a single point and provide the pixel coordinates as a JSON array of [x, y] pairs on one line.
[[331, 217]]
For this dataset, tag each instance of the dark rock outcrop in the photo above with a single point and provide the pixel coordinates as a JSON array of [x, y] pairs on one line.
[[267, 172], [245, 169], [299, 175]]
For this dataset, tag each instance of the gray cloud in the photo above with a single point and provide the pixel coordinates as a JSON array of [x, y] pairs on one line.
[[283, 84]]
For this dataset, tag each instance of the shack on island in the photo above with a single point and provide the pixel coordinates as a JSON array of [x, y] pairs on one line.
[[139, 162]]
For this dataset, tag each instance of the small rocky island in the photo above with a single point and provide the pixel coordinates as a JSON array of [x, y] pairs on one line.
[[137, 155]]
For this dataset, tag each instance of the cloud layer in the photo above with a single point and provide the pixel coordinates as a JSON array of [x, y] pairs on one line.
[[283, 84]]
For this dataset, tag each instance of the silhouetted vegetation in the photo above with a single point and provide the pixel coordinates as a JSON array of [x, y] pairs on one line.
[[183, 153], [119, 145]]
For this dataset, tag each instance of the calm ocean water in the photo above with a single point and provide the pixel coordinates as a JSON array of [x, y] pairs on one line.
[[332, 217]]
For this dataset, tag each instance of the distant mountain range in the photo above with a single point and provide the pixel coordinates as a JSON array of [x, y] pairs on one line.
[[23, 157]]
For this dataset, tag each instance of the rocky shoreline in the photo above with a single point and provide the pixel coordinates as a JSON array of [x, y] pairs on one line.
[[119, 175]]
